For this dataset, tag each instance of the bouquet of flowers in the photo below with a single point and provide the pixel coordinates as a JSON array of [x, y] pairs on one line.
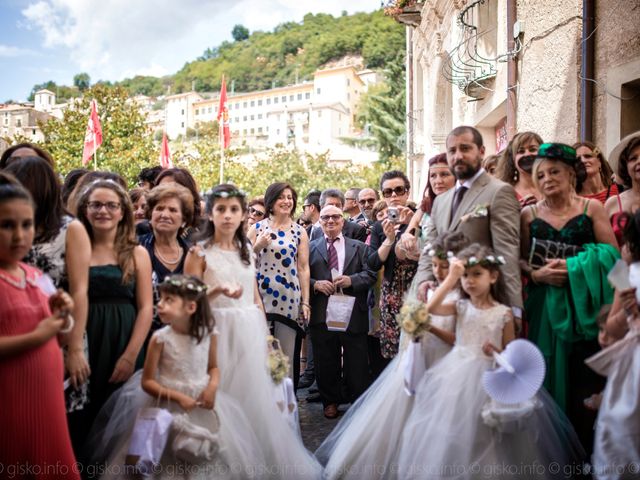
[[277, 361], [414, 318]]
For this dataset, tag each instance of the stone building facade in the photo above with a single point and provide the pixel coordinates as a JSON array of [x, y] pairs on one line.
[[457, 72]]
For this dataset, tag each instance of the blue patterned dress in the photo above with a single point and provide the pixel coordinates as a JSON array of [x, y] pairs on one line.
[[277, 271]]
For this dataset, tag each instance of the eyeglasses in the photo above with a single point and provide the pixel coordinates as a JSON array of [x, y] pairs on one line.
[[367, 201], [97, 206], [256, 213], [387, 192], [350, 198], [326, 218]]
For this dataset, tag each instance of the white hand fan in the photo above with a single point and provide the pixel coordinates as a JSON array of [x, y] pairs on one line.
[[519, 375]]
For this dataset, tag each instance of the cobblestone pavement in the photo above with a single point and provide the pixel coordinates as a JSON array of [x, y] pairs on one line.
[[314, 426]]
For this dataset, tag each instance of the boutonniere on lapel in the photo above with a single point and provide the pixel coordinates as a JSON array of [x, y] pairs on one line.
[[479, 211]]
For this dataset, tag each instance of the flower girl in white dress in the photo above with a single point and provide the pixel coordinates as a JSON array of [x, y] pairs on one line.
[[455, 431], [180, 374], [224, 257], [365, 442]]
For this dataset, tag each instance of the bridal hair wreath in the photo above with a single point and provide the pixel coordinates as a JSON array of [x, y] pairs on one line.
[[441, 254], [190, 284], [489, 260], [228, 194]]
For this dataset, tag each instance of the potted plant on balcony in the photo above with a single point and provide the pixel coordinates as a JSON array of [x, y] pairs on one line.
[[405, 11]]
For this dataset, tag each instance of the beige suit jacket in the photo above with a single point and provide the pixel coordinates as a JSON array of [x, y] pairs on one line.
[[499, 228]]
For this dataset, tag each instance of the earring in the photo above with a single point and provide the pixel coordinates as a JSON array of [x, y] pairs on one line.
[[516, 175]]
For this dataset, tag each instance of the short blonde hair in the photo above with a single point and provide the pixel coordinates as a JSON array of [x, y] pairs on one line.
[[538, 162]]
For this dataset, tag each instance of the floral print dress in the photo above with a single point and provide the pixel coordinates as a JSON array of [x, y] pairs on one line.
[[50, 258]]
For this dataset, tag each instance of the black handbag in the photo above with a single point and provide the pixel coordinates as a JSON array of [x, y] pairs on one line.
[[544, 250]]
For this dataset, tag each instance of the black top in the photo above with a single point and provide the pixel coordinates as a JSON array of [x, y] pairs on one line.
[[377, 237]]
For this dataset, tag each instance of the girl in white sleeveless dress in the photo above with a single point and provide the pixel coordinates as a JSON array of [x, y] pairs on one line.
[[224, 259], [365, 442], [181, 375], [455, 431]]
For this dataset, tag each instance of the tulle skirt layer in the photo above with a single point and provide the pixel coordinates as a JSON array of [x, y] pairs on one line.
[[239, 455], [454, 430], [242, 358]]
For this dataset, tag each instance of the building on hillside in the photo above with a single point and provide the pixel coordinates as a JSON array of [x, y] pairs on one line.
[[22, 120], [309, 116], [45, 101], [179, 113], [575, 74]]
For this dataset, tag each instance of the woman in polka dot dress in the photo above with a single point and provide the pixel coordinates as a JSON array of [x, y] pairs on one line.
[[282, 247]]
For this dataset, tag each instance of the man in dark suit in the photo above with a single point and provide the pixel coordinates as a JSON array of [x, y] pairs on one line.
[[332, 196], [334, 251]]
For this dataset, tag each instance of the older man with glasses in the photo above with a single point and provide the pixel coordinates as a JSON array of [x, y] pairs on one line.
[[367, 198]]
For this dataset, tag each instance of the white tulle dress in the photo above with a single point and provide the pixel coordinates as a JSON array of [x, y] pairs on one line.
[[454, 430], [242, 359], [365, 442], [616, 453], [183, 366]]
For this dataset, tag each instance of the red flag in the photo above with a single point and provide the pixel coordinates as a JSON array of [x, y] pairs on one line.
[[93, 136], [223, 113], [165, 155]]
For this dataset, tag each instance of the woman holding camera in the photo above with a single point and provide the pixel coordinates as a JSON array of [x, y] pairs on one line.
[[398, 274]]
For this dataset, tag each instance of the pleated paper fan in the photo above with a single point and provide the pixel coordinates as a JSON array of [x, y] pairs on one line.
[[519, 375]]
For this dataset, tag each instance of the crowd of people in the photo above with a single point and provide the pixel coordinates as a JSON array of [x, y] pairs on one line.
[[165, 296]]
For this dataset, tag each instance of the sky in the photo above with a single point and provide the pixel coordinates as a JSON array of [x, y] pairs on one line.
[[43, 40]]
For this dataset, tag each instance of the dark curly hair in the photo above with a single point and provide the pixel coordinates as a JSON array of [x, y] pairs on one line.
[[450, 242], [623, 160], [630, 225], [192, 289], [208, 229], [481, 252]]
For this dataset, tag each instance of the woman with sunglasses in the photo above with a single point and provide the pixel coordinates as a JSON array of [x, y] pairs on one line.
[[255, 211], [398, 273], [516, 163]]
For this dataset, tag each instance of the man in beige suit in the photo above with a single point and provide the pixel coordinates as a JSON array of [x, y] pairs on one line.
[[480, 206]]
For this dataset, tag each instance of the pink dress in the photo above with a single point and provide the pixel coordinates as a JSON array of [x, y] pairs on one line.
[[34, 439]]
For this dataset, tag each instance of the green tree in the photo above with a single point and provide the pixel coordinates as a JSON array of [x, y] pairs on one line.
[[82, 81], [240, 33], [381, 113], [127, 145]]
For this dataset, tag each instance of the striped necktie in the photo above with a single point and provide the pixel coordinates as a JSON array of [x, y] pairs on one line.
[[333, 253]]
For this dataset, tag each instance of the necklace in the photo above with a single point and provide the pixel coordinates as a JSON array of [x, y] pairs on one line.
[[557, 213], [164, 260]]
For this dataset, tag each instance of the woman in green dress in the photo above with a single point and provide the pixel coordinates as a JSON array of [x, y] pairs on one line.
[[566, 291], [120, 292]]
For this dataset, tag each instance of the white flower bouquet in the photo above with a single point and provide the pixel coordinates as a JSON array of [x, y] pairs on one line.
[[277, 361], [414, 318]]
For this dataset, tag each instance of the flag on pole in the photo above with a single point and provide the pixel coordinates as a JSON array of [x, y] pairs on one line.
[[223, 113], [93, 136], [165, 155]]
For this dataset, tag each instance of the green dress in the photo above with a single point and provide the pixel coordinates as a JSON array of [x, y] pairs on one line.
[[562, 321], [112, 315]]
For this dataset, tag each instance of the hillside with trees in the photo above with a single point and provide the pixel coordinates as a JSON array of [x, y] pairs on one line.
[[261, 60]]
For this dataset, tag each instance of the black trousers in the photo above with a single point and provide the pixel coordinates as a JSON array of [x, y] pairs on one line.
[[340, 358]]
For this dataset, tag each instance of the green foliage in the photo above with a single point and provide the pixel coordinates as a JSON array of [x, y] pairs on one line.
[[262, 60], [382, 113], [240, 33], [82, 81], [127, 145], [304, 172], [271, 59]]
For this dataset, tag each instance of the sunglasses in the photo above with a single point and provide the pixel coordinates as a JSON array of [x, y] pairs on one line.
[[255, 213], [326, 218], [387, 192], [367, 201]]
